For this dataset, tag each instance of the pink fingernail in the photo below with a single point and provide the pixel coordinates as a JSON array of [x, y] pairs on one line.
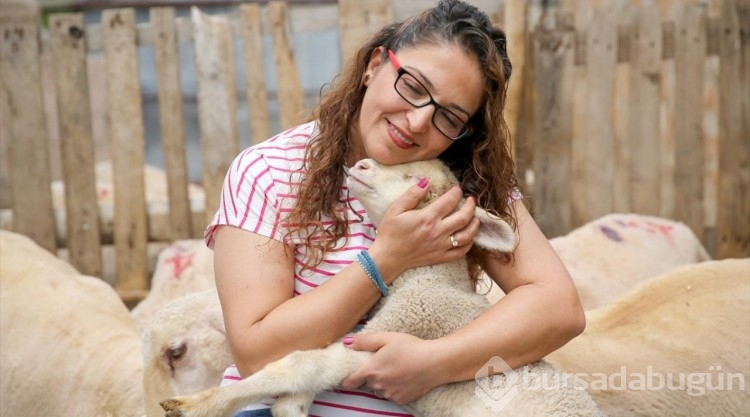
[[423, 183], [348, 340]]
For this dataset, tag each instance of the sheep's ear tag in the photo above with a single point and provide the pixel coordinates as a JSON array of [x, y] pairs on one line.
[[495, 234]]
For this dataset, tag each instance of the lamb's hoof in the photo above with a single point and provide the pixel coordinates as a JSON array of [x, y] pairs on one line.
[[172, 407]]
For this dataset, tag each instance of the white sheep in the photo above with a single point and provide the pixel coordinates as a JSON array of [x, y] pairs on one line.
[[184, 349], [69, 346], [182, 268], [428, 302], [609, 256], [690, 324]]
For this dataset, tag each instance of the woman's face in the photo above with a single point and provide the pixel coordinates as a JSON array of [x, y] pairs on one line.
[[391, 130]]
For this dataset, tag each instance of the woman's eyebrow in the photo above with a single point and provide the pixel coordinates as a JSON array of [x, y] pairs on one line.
[[431, 86]]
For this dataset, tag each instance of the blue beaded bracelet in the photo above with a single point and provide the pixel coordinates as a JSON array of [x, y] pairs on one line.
[[371, 270]]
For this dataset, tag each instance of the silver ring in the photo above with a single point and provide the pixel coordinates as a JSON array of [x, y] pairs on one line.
[[378, 394], [454, 241]]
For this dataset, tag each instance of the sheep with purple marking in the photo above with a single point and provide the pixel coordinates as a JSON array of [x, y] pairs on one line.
[[446, 296], [609, 256]]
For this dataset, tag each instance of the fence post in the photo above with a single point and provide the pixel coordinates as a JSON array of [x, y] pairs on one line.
[[171, 120], [291, 95], [553, 113], [257, 100], [22, 115], [359, 20], [128, 148], [734, 127], [68, 45], [217, 116]]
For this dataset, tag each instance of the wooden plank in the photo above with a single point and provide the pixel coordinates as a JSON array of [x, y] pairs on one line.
[[257, 100], [219, 144], [68, 48], [645, 59], [601, 57], [21, 98], [734, 158], [580, 118], [689, 57], [621, 116], [291, 95], [553, 72], [710, 130], [359, 20], [127, 138], [667, 110], [226, 50], [171, 120], [515, 19]]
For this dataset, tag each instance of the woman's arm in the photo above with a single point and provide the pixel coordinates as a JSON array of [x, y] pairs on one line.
[[264, 322], [255, 281], [540, 313]]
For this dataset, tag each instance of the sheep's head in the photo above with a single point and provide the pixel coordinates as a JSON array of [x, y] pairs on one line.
[[377, 186], [184, 349]]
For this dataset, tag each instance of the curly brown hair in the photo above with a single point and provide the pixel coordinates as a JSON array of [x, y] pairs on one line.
[[482, 162]]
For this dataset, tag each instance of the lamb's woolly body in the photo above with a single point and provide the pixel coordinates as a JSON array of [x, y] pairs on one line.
[[429, 302]]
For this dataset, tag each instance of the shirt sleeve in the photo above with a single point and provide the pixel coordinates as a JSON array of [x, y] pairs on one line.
[[249, 198]]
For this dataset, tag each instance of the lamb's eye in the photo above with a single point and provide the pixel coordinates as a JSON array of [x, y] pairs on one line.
[[408, 176]]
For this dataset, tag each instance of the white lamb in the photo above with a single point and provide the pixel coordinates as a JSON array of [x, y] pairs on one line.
[[677, 345], [428, 302], [184, 349]]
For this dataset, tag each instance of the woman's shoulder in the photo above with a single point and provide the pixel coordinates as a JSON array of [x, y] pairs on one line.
[[286, 148]]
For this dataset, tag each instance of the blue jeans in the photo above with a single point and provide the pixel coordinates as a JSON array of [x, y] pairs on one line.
[[255, 413]]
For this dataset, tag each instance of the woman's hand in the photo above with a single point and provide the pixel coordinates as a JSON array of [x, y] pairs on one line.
[[401, 369], [409, 237]]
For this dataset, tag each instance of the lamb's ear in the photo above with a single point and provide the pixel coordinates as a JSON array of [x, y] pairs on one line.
[[495, 234]]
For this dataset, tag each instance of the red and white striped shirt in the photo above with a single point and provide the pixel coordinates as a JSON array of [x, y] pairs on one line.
[[258, 193]]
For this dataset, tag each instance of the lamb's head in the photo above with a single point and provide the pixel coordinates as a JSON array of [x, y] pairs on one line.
[[377, 186]]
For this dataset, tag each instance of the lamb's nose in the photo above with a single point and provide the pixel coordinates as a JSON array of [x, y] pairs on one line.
[[364, 164]]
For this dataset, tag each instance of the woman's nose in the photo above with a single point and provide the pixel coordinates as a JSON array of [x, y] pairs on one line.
[[419, 118]]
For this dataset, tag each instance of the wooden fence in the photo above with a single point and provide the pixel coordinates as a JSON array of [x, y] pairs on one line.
[[619, 107]]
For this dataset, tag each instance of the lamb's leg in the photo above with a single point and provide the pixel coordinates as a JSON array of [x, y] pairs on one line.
[[309, 371]]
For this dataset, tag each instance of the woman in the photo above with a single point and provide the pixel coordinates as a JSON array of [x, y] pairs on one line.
[[287, 235]]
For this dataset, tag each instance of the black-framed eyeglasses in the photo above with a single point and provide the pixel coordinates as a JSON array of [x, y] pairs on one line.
[[415, 93]]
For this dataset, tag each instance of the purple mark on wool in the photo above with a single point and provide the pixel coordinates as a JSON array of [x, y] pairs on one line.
[[611, 233]]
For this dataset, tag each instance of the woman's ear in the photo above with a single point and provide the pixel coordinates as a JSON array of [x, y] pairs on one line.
[[376, 60]]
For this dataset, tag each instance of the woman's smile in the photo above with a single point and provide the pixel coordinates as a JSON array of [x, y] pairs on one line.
[[399, 139]]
